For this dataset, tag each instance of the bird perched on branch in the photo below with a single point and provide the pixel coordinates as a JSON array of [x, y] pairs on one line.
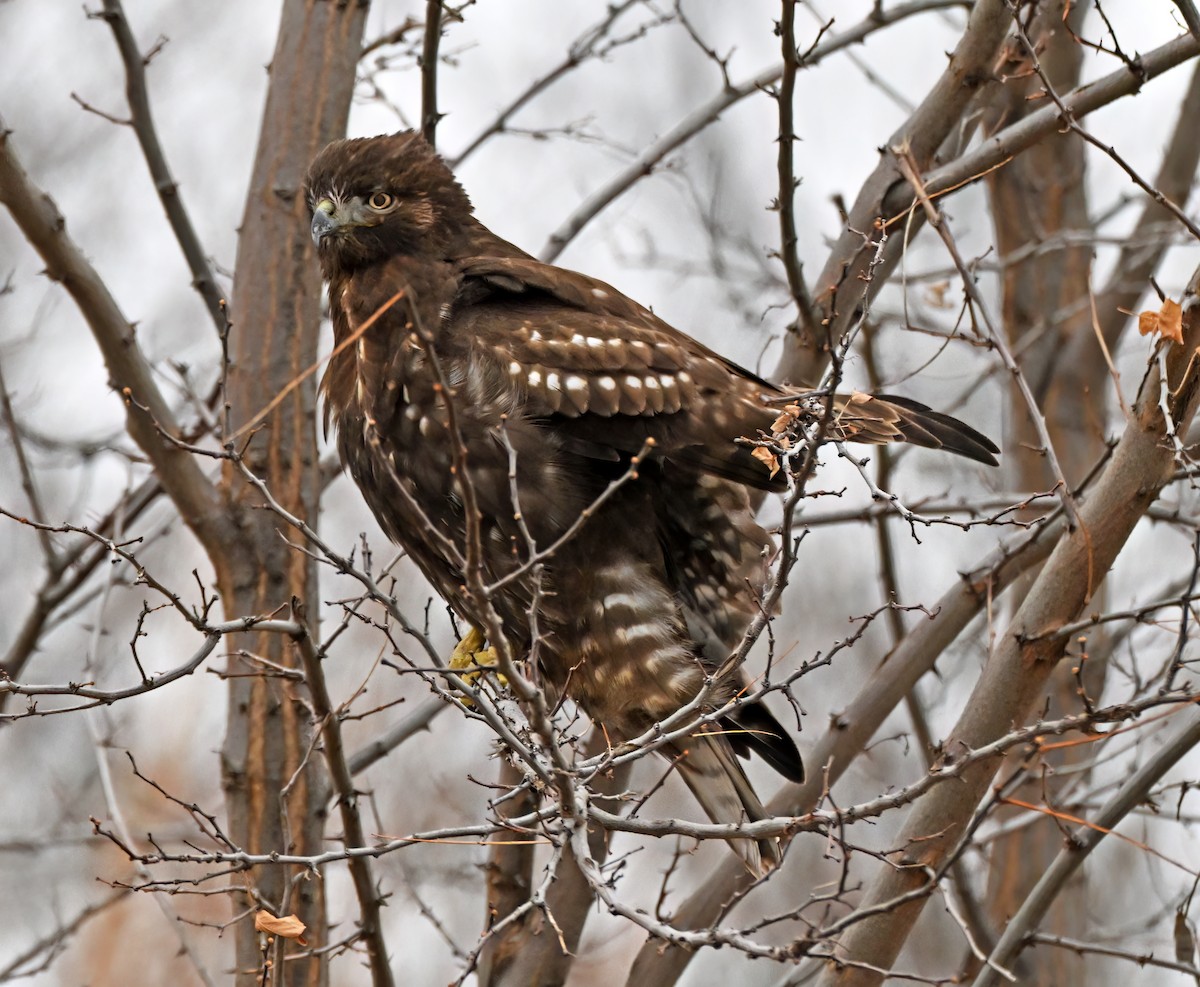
[[485, 402]]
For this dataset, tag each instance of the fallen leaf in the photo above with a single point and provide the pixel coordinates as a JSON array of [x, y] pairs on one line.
[[288, 926], [1166, 322]]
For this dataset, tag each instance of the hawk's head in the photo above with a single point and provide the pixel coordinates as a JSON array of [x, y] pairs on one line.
[[376, 197]]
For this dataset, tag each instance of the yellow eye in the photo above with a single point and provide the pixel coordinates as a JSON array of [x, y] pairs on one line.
[[381, 201]]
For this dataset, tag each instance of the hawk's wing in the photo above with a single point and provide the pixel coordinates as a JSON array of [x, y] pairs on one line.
[[608, 373]]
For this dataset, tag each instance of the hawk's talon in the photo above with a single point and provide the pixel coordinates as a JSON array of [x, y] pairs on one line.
[[471, 659]]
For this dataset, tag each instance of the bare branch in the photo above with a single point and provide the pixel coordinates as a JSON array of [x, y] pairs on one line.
[[369, 896], [149, 418], [696, 121], [1191, 17], [429, 68], [788, 245], [1012, 140], [410, 726], [1081, 843], [203, 278], [840, 292], [1016, 671]]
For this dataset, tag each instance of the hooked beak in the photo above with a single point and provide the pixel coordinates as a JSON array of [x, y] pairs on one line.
[[325, 220]]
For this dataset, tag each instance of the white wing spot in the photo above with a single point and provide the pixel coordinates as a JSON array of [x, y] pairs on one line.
[[552, 382], [667, 380], [515, 369], [535, 378], [623, 601], [624, 678], [606, 384], [576, 384], [595, 341], [535, 336], [682, 680], [577, 339], [599, 293], [633, 383], [651, 383], [684, 377]]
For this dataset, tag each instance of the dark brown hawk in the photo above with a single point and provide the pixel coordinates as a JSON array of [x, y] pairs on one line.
[[568, 378]]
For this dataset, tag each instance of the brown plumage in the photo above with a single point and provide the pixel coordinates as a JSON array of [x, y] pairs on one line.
[[571, 378]]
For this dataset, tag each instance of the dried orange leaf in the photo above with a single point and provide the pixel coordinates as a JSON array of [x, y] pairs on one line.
[[287, 926], [936, 294], [1166, 322], [1170, 320], [767, 458], [787, 418]]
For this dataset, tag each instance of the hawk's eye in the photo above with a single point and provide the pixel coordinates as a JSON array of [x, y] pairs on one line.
[[381, 201]]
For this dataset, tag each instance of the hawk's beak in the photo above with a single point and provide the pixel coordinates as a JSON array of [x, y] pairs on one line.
[[324, 220]]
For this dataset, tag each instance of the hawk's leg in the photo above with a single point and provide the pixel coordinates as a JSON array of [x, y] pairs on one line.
[[471, 658]]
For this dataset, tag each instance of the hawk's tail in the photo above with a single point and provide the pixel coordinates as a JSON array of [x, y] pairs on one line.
[[880, 418], [711, 771]]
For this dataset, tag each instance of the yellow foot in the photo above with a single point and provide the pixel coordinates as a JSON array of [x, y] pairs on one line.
[[471, 659]]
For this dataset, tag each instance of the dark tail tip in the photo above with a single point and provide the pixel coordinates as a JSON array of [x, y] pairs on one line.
[[922, 426], [754, 730]]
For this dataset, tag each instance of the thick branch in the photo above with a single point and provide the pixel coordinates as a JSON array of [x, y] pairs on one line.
[[429, 67], [147, 415], [892, 199], [1082, 842], [841, 290], [996, 149], [850, 732], [1027, 653], [1147, 242]]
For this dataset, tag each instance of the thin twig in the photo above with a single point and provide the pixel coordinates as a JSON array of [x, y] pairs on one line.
[[1081, 843], [203, 278], [708, 113], [788, 240], [1191, 17], [353, 835]]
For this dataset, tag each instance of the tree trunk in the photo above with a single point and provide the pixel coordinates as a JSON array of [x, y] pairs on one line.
[[276, 316]]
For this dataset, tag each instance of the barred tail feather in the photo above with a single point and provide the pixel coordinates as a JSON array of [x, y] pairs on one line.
[[711, 771], [922, 426], [881, 418]]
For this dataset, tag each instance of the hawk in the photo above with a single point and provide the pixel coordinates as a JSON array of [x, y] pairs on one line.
[[458, 353]]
